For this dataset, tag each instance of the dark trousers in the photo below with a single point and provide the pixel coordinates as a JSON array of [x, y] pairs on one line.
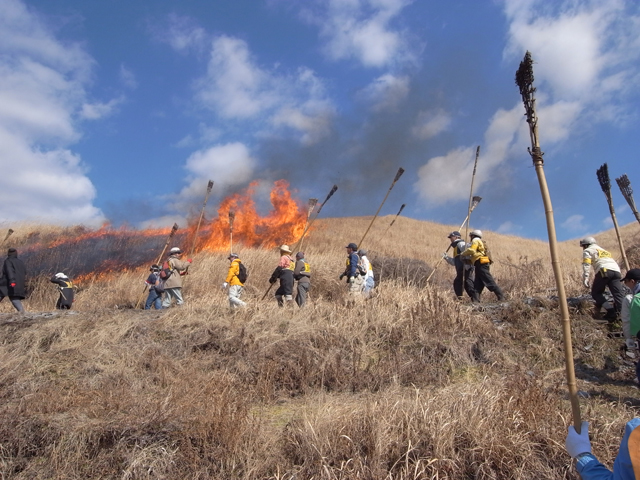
[[464, 276], [485, 279], [303, 291], [609, 279]]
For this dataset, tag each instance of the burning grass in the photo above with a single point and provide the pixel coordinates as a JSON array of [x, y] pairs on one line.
[[409, 384]]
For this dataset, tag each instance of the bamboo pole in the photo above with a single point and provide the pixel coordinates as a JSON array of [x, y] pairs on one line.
[[174, 229], [605, 184], [627, 193], [204, 204], [396, 178], [524, 80], [9, 232], [232, 217], [329, 195], [393, 221], [473, 177], [312, 204], [474, 203]]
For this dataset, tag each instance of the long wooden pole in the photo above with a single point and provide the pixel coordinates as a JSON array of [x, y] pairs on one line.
[[393, 221], [232, 217], [204, 204], [329, 195], [603, 178], [627, 192], [474, 204], [174, 229], [395, 179], [312, 204], [524, 80], [473, 177]]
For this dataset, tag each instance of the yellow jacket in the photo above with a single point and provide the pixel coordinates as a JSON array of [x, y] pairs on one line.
[[476, 252], [232, 276]]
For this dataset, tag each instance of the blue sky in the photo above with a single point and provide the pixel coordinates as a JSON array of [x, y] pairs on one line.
[[122, 111]]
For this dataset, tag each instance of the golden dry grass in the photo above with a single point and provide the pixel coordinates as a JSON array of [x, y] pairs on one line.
[[410, 384]]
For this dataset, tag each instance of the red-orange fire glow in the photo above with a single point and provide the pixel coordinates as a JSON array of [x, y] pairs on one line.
[[283, 224]]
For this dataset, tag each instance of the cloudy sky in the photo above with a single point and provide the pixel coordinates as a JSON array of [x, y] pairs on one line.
[[122, 110]]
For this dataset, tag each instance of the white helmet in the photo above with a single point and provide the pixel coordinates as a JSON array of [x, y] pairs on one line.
[[60, 275], [175, 250], [586, 241], [475, 233]]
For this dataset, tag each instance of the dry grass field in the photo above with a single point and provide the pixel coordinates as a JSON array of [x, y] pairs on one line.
[[410, 384]]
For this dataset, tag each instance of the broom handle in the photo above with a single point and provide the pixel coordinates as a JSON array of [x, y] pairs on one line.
[[473, 176], [442, 258], [615, 225], [204, 204], [396, 178]]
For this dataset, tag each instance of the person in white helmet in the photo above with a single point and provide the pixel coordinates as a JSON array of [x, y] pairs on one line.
[[478, 253], [65, 287], [173, 284], [607, 274], [464, 271]]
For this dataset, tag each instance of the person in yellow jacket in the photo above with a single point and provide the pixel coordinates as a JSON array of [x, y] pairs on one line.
[[478, 255], [607, 274], [233, 282]]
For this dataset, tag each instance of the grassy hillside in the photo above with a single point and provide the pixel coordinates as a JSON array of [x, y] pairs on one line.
[[409, 384]]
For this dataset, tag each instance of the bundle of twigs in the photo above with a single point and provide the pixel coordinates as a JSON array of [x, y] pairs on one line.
[[605, 184], [524, 80], [627, 193]]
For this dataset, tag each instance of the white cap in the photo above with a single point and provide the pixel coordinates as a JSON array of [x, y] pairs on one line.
[[175, 250], [60, 275]]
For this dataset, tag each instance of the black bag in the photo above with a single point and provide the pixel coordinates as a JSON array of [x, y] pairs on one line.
[[242, 273], [159, 287]]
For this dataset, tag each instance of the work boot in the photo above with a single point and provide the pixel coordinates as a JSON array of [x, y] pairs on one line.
[[611, 315], [499, 294]]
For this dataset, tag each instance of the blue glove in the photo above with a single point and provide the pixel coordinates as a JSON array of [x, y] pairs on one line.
[[578, 443]]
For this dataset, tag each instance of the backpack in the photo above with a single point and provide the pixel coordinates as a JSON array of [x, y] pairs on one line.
[[242, 273], [361, 269], [487, 252], [634, 313], [166, 271]]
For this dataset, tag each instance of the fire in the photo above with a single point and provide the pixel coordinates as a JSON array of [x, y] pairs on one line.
[[283, 224]]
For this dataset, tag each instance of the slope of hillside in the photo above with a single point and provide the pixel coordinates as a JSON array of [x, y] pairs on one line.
[[409, 384]]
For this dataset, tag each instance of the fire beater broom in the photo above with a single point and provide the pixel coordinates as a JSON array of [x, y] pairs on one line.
[[524, 80], [204, 204], [306, 229], [473, 176], [605, 184], [9, 232], [174, 229], [627, 193], [396, 178], [232, 217], [474, 203]]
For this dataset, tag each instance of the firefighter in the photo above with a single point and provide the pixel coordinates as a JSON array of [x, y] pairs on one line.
[[606, 274], [479, 256]]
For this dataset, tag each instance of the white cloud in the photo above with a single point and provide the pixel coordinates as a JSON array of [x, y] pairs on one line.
[[361, 29], [509, 228], [128, 78], [429, 124], [575, 224], [42, 90], [236, 88], [183, 34], [95, 111], [386, 92]]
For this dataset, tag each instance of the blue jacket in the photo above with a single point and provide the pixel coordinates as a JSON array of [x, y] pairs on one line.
[[352, 265], [628, 457]]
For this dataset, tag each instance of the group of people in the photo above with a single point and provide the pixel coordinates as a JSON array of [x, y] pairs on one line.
[[165, 281]]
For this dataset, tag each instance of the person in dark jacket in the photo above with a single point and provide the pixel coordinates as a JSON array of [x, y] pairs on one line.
[[65, 287], [284, 272], [354, 279], [302, 273], [12, 283], [156, 289], [464, 271]]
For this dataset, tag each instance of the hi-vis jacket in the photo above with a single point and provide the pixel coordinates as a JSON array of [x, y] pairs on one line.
[[232, 276], [476, 252], [599, 258]]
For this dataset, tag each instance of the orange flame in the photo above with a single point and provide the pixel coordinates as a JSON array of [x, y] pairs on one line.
[[283, 224]]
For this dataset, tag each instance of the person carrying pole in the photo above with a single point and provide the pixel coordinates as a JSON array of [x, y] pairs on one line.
[[174, 269], [234, 281], [607, 274], [354, 279], [156, 288], [464, 270], [302, 273], [65, 288], [284, 273], [480, 258]]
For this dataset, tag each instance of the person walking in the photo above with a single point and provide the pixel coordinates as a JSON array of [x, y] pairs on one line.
[[13, 281], [233, 282], [173, 284], [156, 289], [368, 281], [354, 279], [284, 272], [631, 316], [607, 274], [480, 258], [625, 465], [65, 287], [464, 270], [302, 273]]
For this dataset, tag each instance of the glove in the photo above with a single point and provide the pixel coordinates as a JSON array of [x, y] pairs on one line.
[[351, 279], [445, 256], [631, 344], [341, 276], [585, 282], [578, 443], [189, 260], [12, 285], [272, 281], [225, 285]]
